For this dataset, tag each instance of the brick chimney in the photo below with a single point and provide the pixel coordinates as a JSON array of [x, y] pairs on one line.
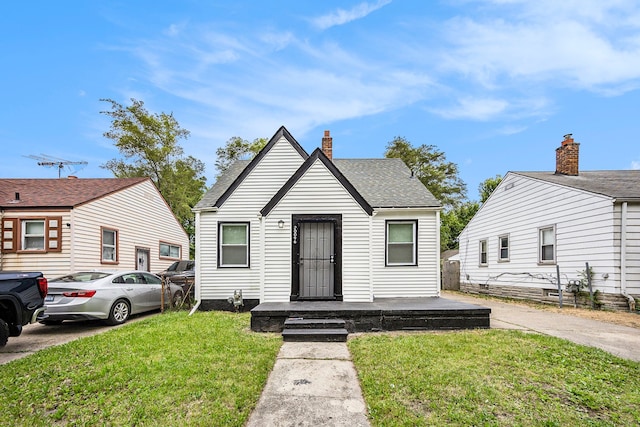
[[327, 145], [567, 157]]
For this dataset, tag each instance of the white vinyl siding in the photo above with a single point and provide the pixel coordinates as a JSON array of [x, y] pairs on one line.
[[318, 192], [421, 280], [243, 205], [521, 206], [631, 263]]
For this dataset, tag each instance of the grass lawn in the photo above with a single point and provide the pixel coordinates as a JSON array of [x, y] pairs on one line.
[[170, 369], [493, 377]]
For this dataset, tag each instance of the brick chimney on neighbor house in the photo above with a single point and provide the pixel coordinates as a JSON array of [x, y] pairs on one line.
[[327, 145], [567, 157]]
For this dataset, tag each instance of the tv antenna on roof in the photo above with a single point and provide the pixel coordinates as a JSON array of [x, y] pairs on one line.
[[50, 161]]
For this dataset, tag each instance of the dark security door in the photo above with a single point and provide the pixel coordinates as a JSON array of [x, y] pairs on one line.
[[317, 245], [317, 257]]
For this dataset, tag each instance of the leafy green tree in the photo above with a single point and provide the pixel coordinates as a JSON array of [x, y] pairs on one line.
[[149, 144], [487, 186], [453, 222], [432, 168], [237, 148]]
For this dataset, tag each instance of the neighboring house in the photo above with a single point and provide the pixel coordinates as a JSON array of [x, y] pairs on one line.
[[536, 222], [290, 226], [62, 225]]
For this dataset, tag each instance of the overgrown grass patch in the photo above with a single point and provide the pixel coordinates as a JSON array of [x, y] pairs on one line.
[[493, 377], [171, 369]]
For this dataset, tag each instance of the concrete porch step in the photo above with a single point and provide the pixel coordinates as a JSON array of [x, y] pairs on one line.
[[302, 323], [315, 335]]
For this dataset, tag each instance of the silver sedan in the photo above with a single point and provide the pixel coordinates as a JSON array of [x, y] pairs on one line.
[[112, 297]]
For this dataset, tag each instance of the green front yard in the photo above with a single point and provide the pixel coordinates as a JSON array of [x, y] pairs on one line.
[[209, 369]]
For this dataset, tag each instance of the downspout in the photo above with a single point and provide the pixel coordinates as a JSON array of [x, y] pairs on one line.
[[437, 254], [623, 258], [198, 265], [263, 248]]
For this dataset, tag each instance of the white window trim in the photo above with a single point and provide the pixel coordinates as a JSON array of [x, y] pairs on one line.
[[508, 247], [24, 234], [486, 252], [555, 245], [247, 226], [414, 252]]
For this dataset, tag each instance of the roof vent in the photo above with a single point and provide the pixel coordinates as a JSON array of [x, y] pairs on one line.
[[17, 196]]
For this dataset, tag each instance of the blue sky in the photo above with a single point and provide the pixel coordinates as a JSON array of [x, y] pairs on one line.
[[493, 84]]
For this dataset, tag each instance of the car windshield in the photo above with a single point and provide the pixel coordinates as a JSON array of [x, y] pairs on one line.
[[81, 277]]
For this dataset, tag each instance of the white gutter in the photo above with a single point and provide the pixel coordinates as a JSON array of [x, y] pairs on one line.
[[623, 258], [198, 264]]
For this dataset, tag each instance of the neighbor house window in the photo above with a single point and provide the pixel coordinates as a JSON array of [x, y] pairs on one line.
[[233, 249], [503, 242], [167, 250], [401, 243], [547, 239], [483, 252], [33, 235], [109, 245]]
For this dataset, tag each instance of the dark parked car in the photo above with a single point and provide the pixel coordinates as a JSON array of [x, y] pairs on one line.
[[178, 267]]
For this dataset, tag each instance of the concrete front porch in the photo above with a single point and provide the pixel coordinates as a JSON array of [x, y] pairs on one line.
[[383, 314]]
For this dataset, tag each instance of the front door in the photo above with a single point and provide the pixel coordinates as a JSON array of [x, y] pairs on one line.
[[142, 259], [317, 257]]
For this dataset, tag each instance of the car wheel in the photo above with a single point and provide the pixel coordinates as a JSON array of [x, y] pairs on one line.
[[4, 333], [51, 322], [119, 313], [178, 298]]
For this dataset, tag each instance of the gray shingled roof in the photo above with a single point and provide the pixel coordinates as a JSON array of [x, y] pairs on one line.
[[383, 183], [621, 184], [386, 183], [222, 183]]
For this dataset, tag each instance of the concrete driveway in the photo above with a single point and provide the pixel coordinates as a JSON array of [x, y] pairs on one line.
[[622, 341], [37, 336]]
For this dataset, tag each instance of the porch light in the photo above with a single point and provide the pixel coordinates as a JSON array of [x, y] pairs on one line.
[[281, 224]]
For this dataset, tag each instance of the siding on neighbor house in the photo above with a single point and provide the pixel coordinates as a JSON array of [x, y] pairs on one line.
[[243, 205], [138, 213], [422, 280], [142, 219], [52, 264], [632, 246], [519, 207], [318, 192]]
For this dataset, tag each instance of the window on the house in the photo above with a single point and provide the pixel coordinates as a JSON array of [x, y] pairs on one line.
[[109, 245], [233, 250], [401, 243], [503, 242], [33, 235], [547, 244], [483, 252], [167, 250]]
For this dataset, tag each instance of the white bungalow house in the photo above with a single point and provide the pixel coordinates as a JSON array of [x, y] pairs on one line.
[[58, 226], [538, 223], [289, 226]]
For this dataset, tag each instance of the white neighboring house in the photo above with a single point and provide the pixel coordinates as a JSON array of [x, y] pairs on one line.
[[289, 226], [58, 226], [535, 222]]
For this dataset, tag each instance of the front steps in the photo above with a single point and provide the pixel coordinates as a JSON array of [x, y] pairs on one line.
[[315, 330]]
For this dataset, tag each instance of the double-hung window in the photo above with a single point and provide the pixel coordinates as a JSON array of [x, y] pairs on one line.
[[109, 246], [402, 248], [503, 242], [233, 244], [483, 252], [33, 235], [547, 245]]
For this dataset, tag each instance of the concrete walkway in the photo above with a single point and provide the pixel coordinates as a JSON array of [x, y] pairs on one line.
[[621, 341], [312, 384]]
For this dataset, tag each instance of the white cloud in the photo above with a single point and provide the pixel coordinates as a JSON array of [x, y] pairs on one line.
[[341, 16], [473, 108], [635, 164]]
